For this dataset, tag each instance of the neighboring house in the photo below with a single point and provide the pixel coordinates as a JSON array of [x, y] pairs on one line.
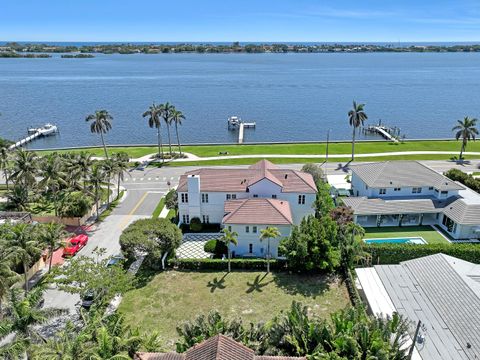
[[219, 347], [441, 291], [247, 200], [408, 193]]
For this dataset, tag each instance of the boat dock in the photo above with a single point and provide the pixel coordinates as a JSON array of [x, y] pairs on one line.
[[46, 130], [235, 122], [388, 133]]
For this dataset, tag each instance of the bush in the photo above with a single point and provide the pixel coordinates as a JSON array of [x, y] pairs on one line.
[[216, 247], [196, 224], [314, 170], [152, 236], [75, 204], [219, 264], [465, 179], [396, 253]]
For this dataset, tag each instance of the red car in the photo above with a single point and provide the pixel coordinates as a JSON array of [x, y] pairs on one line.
[[75, 244]]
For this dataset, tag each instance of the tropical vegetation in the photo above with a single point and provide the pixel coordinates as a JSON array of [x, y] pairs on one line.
[[466, 130], [356, 118]]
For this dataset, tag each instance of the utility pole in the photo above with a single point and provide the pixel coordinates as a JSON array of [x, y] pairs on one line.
[[410, 352]]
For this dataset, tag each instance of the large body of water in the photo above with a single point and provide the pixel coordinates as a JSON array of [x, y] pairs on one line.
[[290, 96]]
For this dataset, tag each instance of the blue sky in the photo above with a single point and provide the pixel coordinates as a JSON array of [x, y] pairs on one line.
[[240, 20]]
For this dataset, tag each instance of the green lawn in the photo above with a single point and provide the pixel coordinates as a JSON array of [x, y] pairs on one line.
[[364, 147], [158, 209], [171, 297], [426, 232]]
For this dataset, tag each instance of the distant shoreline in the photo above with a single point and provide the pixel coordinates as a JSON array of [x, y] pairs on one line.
[[12, 49]]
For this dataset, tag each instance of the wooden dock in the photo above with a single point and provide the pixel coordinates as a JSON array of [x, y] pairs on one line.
[[386, 132], [241, 130], [46, 130], [25, 141]]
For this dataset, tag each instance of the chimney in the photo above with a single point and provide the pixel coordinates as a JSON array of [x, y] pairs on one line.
[[193, 184]]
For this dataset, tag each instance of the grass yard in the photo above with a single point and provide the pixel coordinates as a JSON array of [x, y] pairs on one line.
[[426, 232], [171, 297], [362, 147]]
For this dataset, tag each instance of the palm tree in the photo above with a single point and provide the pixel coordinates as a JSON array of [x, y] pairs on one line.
[[177, 117], [96, 179], [8, 277], [153, 114], [23, 246], [101, 124], [466, 129], [229, 237], [83, 162], [24, 315], [269, 233], [52, 236], [108, 167], [53, 177], [166, 111], [25, 168], [4, 163], [356, 117], [120, 168], [17, 198]]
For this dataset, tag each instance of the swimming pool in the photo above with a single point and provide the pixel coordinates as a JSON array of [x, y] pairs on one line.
[[403, 240]]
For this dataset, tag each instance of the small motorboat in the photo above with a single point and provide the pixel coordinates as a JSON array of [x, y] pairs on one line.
[[45, 130]]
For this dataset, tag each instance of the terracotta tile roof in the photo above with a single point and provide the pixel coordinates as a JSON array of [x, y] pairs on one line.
[[219, 347], [258, 211], [237, 180]]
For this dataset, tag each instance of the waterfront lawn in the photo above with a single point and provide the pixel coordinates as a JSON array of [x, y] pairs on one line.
[[296, 149], [426, 232], [171, 297]]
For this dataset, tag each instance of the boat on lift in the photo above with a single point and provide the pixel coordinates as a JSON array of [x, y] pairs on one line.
[[45, 130]]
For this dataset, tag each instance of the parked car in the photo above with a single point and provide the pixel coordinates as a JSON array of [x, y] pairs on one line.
[[88, 299], [74, 244], [115, 259]]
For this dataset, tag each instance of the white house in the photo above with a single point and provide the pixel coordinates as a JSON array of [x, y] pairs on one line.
[[247, 200], [408, 193]]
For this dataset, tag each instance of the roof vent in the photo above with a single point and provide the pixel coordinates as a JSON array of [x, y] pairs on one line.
[[391, 182], [286, 175]]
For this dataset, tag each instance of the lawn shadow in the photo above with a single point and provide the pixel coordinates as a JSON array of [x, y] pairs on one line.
[[257, 284], [217, 284], [311, 285], [144, 276]]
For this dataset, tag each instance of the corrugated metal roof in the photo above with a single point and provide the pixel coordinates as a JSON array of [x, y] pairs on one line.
[[391, 174]]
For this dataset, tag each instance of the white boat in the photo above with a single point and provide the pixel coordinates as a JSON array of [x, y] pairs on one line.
[[48, 129], [234, 121]]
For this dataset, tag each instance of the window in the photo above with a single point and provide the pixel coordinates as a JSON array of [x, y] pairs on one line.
[[204, 198], [229, 228], [186, 219], [254, 229], [247, 229], [382, 191], [444, 192], [255, 195], [206, 219], [231, 196], [397, 189], [274, 196], [301, 199], [184, 198], [250, 248], [416, 190], [430, 188]]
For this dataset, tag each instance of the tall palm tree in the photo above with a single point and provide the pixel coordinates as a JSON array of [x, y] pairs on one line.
[[465, 129], [177, 117], [120, 168], [4, 163], [52, 236], [25, 168], [166, 111], [23, 246], [270, 232], [96, 179], [53, 177], [229, 237], [17, 198], [101, 124], [153, 114], [356, 117]]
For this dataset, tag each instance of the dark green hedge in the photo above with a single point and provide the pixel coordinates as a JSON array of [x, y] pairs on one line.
[[219, 264], [396, 253]]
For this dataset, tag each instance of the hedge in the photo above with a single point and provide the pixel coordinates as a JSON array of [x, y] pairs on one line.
[[396, 253], [219, 264]]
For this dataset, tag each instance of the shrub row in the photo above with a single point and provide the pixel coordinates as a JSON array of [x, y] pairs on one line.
[[219, 264], [396, 253]]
